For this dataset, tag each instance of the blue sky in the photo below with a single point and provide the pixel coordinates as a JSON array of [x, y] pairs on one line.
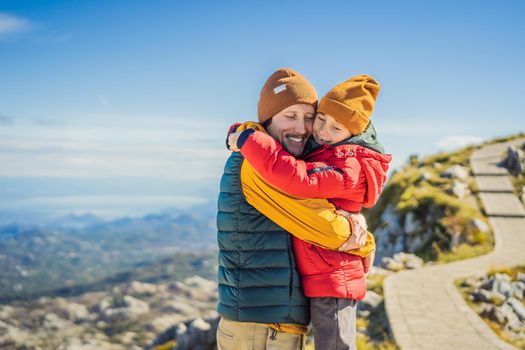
[[120, 107]]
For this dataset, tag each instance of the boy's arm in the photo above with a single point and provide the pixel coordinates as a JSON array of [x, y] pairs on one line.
[[294, 176], [311, 220]]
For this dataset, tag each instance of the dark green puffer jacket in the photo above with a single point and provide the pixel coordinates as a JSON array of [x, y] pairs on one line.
[[258, 280]]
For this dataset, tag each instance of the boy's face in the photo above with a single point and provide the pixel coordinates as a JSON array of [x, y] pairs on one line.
[[327, 130], [292, 126]]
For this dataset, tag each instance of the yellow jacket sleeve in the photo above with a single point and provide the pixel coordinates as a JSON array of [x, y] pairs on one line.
[[312, 220]]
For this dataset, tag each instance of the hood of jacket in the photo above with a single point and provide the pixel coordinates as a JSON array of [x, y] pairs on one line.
[[375, 167]]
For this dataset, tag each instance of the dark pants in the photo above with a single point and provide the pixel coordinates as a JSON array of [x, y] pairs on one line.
[[334, 323]]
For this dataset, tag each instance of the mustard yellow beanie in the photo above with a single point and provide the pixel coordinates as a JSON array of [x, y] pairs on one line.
[[283, 89], [352, 102]]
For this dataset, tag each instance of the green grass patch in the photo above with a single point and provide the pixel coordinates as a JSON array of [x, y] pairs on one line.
[[511, 271], [375, 283], [505, 139], [464, 251], [460, 157]]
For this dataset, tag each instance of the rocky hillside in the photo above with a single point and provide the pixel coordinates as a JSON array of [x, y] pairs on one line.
[[499, 298], [429, 208], [128, 316], [372, 325]]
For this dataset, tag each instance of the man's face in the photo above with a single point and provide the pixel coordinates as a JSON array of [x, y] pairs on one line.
[[292, 127]]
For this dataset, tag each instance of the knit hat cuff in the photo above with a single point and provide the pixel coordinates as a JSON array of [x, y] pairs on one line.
[[352, 119], [284, 100]]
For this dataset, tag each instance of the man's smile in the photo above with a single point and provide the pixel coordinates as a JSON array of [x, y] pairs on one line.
[[297, 139]]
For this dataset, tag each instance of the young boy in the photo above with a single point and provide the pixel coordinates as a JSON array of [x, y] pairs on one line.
[[346, 165]]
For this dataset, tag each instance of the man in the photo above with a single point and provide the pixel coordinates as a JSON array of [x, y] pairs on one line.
[[261, 302]]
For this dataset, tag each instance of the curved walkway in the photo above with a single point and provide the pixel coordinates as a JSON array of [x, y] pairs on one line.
[[425, 310]]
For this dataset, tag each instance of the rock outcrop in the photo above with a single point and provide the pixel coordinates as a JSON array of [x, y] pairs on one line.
[[500, 299]]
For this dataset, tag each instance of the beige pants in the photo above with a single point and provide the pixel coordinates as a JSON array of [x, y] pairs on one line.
[[233, 335]]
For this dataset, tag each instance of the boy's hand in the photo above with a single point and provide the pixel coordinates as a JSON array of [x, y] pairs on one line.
[[358, 227], [232, 141], [235, 131], [368, 262], [231, 130]]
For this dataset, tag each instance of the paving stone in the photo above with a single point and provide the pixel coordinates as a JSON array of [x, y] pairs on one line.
[[481, 167], [494, 184], [502, 204]]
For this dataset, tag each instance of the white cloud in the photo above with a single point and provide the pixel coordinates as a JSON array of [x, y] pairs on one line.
[[161, 148], [449, 143], [11, 24]]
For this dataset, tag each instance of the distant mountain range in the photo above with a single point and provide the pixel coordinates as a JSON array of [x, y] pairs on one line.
[[83, 249]]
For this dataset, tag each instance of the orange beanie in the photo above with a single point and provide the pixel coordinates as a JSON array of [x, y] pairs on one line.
[[351, 103], [283, 89]]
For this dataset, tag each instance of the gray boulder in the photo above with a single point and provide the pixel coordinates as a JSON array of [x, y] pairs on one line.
[[495, 314], [460, 189], [518, 290], [179, 307], [456, 172], [410, 261], [412, 225], [500, 283], [71, 311], [521, 277], [514, 160], [503, 287], [518, 308], [197, 334], [390, 234], [401, 261], [472, 281], [126, 309], [510, 316], [485, 296], [480, 225], [371, 301], [425, 176], [414, 243], [392, 265], [52, 322]]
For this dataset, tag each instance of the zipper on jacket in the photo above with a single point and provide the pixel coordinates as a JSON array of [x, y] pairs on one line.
[[323, 168]]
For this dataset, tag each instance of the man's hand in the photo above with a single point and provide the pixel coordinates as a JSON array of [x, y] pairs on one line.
[[359, 230]]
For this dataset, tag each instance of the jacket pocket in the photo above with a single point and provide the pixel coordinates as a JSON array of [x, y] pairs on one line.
[[335, 259]]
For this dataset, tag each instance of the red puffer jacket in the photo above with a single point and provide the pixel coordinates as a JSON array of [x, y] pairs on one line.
[[349, 176]]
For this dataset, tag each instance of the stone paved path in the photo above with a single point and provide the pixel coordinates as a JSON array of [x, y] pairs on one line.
[[425, 309]]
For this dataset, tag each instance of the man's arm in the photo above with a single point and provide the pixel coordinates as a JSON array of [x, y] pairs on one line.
[[311, 220]]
